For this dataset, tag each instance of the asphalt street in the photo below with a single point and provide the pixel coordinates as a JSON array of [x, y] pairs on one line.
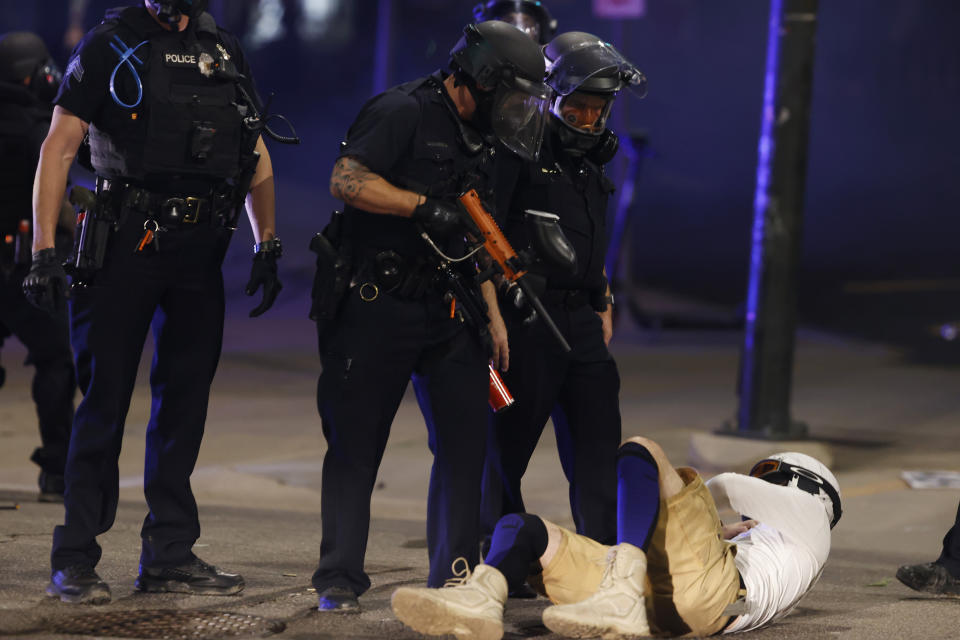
[[258, 482]]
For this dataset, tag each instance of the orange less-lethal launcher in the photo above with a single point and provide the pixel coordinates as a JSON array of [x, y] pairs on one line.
[[498, 248]]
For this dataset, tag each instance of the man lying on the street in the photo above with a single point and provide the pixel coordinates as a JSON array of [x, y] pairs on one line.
[[677, 570]]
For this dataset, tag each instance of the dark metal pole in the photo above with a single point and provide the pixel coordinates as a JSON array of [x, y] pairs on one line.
[[771, 313]]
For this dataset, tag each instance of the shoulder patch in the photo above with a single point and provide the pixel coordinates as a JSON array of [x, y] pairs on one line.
[[75, 69]]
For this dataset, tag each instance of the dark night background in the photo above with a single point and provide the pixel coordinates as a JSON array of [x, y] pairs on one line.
[[880, 257]]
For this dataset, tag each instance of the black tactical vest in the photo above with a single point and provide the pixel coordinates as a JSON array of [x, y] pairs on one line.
[[188, 124], [576, 190], [445, 158]]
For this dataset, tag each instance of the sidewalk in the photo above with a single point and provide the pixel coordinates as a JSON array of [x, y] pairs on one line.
[[257, 483]]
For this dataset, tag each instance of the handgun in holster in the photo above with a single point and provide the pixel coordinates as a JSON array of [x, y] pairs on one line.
[[91, 235], [334, 266]]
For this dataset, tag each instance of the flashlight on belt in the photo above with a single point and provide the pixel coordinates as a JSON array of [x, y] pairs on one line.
[[500, 398]]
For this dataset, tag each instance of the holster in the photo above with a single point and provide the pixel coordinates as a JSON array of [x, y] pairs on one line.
[[334, 266], [95, 221]]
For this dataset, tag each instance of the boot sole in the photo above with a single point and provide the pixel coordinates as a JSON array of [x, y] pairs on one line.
[[435, 618], [94, 597], [175, 586], [572, 628]]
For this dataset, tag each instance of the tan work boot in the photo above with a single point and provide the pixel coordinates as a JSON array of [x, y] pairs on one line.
[[471, 608], [616, 611]]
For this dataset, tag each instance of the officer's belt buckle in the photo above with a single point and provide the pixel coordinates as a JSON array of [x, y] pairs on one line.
[[192, 210]]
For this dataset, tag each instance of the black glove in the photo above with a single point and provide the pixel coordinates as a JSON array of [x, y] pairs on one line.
[[513, 302], [264, 272], [45, 286], [442, 219]]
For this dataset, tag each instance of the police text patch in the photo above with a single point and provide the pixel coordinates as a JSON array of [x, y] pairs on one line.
[[180, 59]]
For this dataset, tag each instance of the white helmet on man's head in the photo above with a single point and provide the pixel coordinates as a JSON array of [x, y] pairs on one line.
[[793, 469]]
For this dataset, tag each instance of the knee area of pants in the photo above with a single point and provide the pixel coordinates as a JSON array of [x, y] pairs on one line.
[[635, 449], [518, 520]]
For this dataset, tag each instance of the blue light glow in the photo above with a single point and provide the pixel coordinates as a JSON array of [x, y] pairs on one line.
[[761, 201]]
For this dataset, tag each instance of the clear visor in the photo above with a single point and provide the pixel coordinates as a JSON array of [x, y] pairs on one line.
[[519, 116], [583, 112], [566, 73], [526, 23]]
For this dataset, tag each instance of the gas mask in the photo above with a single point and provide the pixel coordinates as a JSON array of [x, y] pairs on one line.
[[170, 12]]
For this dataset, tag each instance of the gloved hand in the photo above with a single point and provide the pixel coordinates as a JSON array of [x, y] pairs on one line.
[[264, 272], [513, 302], [45, 285], [442, 219]]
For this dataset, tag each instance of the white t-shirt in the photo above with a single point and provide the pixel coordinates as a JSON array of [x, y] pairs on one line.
[[781, 558]]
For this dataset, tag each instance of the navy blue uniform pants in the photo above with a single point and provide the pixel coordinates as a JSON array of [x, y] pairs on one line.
[[178, 293], [47, 339], [580, 391], [368, 357]]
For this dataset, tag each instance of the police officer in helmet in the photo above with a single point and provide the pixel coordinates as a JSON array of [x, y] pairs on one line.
[[530, 16], [28, 83], [579, 389], [173, 120], [408, 155]]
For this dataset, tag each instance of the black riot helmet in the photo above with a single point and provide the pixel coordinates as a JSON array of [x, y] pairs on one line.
[[170, 11], [586, 75], [503, 69], [24, 60], [530, 16]]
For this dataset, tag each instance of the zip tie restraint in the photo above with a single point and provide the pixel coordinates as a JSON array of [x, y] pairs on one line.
[[125, 53]]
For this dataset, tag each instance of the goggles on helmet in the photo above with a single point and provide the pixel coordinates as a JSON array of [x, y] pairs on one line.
[[785, 474]]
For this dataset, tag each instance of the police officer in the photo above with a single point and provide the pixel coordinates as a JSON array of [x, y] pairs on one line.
[[29, 80], [530, 16], [579, 389], [169, 105], [408, 154]]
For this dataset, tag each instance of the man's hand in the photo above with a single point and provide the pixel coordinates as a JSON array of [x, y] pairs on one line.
[[498, 330], [606, 321], [441, 219], [501, 346], [45, 286], [730, 531], [264, 273]]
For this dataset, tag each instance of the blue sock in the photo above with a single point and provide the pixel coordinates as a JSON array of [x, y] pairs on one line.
[[638, 495]]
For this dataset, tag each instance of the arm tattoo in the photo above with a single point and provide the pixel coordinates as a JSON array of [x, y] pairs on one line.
[[349, 178]]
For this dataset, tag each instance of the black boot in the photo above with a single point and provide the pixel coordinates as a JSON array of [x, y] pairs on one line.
[[929, 578], [195, 577], [51, 487], [78, 584], [338, 599]]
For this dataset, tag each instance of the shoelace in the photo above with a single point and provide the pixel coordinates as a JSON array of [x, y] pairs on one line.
[[460, 576], [610, 560]]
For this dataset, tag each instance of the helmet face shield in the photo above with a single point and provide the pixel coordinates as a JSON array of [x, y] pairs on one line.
[[519, 115], [525, 22], [599, 66]]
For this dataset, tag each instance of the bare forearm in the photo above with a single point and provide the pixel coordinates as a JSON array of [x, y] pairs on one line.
[[361, 188], [489, 292], [261, 201], [48, 190]]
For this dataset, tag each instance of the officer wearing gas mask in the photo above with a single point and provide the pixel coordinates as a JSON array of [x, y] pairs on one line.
[[172, 115], [408, 155], [29, 80], [530, 16], [579, 389]]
